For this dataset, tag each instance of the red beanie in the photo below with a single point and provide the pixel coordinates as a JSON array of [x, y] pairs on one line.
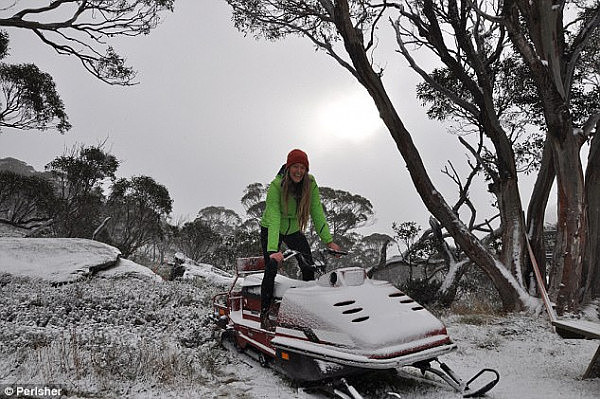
[[297, 156]]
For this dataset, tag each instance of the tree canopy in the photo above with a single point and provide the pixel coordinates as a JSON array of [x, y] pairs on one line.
[[82, 29], [137, 207], [29, 97]]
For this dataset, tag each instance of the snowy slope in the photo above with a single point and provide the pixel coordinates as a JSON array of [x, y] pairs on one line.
[[136, 338]]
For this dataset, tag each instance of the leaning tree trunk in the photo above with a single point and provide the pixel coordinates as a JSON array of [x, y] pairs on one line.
[[508, 289], [591, 262]]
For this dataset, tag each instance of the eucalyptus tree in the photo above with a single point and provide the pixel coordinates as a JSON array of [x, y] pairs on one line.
[[346, 30], [198, 240], [553, 80], [137, 207], [79, 175], [253, 201], [82, 29], [222, 220], [474, 86], [28, 96], [487, 51], [26, 200], [550, 82], [558, 42], [345, 211]]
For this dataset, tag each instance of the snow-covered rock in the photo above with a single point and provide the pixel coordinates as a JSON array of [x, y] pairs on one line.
[[210, 273], [55, 259], [125, 268]]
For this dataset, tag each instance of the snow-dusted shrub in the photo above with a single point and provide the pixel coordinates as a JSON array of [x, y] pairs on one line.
[[101, 337], [422, 290], [476, 294]]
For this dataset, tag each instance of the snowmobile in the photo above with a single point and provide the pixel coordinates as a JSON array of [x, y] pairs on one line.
[[341, 324]]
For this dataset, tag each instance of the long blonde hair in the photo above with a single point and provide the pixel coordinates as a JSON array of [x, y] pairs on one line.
[[302, 198]]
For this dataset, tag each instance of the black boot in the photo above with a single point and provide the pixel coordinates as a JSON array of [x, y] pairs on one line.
[[265, 321]]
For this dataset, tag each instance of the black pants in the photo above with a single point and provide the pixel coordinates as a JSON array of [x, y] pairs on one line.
[[296, 241]]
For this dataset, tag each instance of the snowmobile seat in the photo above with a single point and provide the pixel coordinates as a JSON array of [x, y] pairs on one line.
[[282, 284]]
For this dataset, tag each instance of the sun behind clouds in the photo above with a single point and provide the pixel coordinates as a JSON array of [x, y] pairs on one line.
[[351, 117]]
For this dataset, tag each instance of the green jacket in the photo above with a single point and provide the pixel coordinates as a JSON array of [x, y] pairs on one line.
[[278, 223]]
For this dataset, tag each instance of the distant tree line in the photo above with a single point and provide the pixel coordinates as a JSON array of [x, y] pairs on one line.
[[79, 195], [69, 200]]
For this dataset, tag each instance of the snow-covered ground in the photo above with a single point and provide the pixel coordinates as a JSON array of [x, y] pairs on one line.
[[120, 336]]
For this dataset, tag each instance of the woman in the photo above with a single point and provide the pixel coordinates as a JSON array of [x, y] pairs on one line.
[[292, 197]]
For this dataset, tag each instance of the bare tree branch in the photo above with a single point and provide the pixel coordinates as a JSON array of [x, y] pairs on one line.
[[82, 28], [427, 77]]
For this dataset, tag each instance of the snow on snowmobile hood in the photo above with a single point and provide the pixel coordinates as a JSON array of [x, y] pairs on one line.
[[348, 310]]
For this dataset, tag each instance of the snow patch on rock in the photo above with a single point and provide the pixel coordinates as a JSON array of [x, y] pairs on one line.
[[125, 268], [55, 259], [210, 273]]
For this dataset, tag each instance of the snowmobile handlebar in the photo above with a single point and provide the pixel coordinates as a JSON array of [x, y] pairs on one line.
[[290, 253], [335, 253], [318, 268]]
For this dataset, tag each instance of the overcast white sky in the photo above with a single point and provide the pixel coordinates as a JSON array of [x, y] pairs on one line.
[[215, 111]]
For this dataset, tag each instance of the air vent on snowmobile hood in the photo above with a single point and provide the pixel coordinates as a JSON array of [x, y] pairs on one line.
[[345, 277]]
